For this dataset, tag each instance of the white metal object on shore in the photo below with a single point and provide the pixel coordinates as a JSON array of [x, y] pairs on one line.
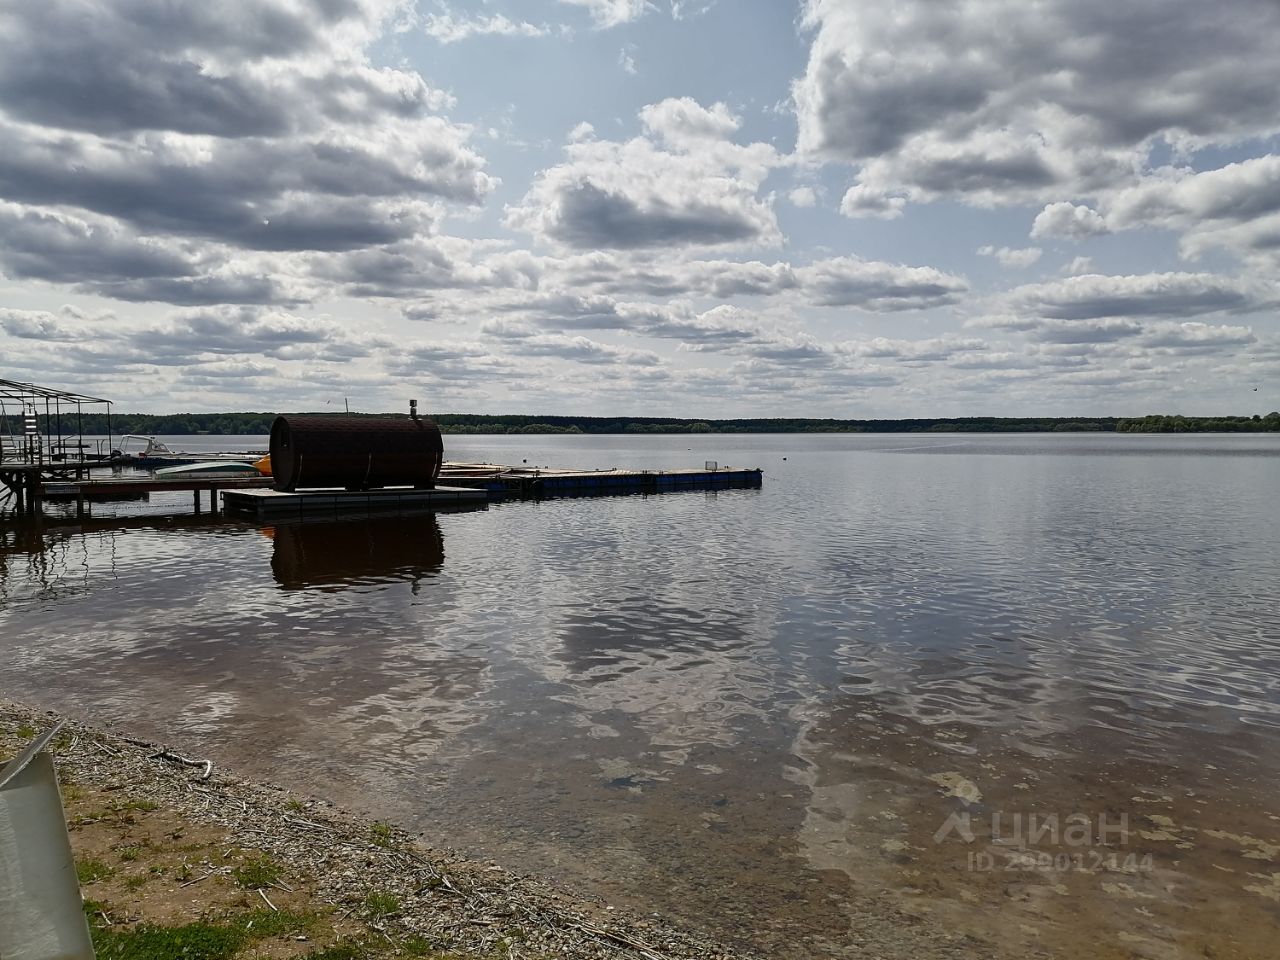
[[41, 912]]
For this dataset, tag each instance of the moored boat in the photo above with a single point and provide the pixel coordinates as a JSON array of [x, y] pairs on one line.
[[222, 469]]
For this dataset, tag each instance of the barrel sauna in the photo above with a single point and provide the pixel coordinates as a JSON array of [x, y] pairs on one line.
[[357, 453]]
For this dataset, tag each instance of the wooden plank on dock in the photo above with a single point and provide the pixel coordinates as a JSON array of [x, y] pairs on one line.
[[94, 489]]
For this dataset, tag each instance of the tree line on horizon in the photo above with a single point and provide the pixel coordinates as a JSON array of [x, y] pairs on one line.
[[218, 424]]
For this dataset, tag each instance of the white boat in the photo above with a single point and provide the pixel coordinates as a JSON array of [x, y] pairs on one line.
[[157, 453], [221, 469]]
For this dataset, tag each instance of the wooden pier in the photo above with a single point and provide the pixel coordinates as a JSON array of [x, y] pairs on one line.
[[25, 483], [85, 492]]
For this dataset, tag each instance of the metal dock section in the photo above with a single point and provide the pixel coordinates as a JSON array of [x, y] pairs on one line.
[[526, 482], [282, 505]]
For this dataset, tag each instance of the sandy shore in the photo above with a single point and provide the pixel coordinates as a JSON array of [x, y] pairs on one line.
[[174, 849]]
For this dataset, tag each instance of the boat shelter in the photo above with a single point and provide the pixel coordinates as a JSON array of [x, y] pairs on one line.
[[41, 426]]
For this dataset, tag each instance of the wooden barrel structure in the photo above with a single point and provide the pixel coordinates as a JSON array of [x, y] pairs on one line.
[[356, 453]]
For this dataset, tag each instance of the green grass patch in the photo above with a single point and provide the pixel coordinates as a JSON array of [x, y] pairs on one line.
[[26, 731], [130, 806], [382, 834], [130, 854], [256, 873], [278, 923], [379, 904], [192, 941], [134, 883], [90, 870]]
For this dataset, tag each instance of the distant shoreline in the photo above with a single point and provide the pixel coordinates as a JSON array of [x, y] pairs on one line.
[[257, 423]]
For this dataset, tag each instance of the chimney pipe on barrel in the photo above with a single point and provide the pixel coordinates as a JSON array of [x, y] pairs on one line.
[[413, 409]]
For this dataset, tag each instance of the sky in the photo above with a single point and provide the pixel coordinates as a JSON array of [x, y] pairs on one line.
[[704, 208]]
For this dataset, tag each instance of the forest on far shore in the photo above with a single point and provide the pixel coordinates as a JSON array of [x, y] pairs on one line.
[[260, 423]]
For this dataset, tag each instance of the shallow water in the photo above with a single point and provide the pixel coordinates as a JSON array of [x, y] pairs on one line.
[[753, 709]]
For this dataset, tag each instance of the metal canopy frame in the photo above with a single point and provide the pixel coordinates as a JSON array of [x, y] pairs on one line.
[[52, 443]]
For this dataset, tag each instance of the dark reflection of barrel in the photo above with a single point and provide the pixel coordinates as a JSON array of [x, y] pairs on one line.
[[358, 453], [337, 554]]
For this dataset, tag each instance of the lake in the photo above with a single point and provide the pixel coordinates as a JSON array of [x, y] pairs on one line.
[[919, 695]]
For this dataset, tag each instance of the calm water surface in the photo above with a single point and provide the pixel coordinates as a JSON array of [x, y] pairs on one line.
[[752, 709]]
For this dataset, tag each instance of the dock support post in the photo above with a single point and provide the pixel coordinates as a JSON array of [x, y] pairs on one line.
[[80, 503], [196, 491]]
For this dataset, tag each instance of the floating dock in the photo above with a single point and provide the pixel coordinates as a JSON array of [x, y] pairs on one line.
[[533, 482], [283, 505], [466, 484]]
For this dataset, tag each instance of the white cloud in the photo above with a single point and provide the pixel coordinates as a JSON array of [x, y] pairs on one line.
[[447, 28], [1068, 221], [691, 187], [1236, 206], [803, 197], [612, 13], [291, 179], [303, 145], [687, 9], [1012, 257], [683, 121], [863, 201], [999, 101], [1093, 296], [849, 282], [627, 60]]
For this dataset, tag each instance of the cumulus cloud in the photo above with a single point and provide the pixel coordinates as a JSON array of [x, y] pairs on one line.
[[288, 184], [683, 121], [277, 67], [849, 282], [1236, 206], [143, 144], [580, 350], [1063, 97], [1068, 221], [685, 184], [861, 200], [1093, 296], [447, 28], [930, 350], [803, 197], [225, 331], [1196, 336], [871, 285], [62, 247], [38, 325], [1012, 257], [98, 255]]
